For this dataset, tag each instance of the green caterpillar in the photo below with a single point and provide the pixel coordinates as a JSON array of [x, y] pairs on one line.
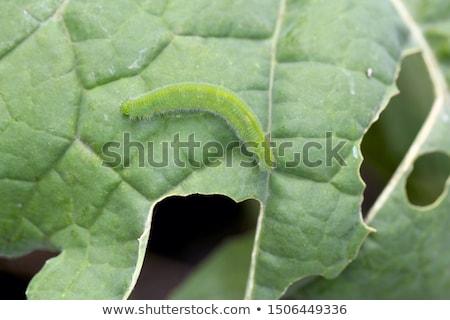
[[204, 97]]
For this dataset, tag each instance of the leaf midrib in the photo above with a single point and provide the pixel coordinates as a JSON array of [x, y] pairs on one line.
[[273, 63]]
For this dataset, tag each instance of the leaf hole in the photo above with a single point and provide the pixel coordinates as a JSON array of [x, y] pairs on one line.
[[390, 137], [426, 183], [185, 230]]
